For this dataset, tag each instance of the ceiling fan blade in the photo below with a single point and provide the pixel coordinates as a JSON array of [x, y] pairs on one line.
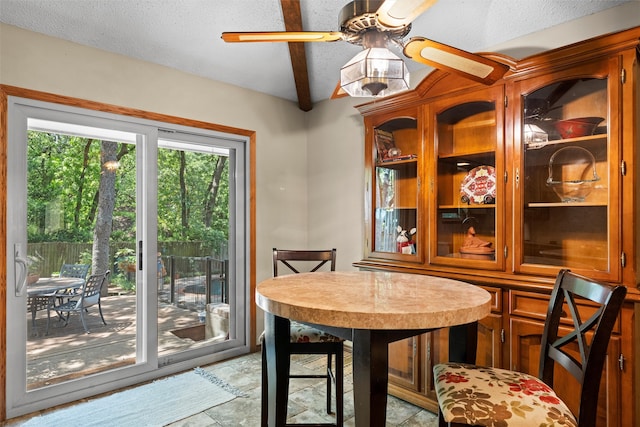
[[400, 13], [442, 56], [283, 36]]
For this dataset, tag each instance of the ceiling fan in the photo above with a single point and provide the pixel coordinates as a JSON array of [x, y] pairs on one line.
[[374, 24]]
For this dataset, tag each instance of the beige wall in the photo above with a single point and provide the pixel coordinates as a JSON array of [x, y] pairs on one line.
[[309, 166]]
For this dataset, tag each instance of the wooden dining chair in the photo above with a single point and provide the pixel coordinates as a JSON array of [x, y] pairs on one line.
[[305, 339], [484, 396]]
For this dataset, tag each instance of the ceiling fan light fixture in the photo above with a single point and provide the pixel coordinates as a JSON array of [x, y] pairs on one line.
[[374, 72]]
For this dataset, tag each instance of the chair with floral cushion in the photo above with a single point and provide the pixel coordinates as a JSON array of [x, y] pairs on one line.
[[475, 395], [306, 339]]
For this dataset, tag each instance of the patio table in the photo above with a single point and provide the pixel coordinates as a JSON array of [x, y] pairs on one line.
[[43, 292]]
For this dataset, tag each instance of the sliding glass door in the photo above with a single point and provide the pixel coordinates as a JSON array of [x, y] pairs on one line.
[[80, 203], [161, 211], [196, 234]]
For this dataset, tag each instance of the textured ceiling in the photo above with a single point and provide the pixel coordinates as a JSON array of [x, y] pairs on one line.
[[185, 34]]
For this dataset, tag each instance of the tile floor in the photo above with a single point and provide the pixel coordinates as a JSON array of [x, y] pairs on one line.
[[306, 398]]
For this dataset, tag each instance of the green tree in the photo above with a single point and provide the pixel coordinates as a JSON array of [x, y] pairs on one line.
[[67, 202]]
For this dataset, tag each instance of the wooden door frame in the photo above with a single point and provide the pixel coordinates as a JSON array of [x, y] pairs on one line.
[[5, 92]]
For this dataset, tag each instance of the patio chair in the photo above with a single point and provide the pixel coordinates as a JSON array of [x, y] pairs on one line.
[[79, 271], [88, 296]]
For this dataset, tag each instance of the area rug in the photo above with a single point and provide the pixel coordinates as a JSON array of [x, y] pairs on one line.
[[156, 404]]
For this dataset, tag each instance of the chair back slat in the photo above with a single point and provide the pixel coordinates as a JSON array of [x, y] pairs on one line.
[[591, 336], [75, 270], [313, 260]]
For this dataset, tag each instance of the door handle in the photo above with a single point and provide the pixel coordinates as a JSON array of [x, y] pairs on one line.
[[21, 272]]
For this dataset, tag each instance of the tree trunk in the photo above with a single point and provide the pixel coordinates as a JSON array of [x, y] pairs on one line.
[[106, 203], [212, 192], [124, 150], [81, 180], [184, 203]]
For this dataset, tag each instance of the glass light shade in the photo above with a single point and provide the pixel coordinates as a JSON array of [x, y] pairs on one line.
[[534, 135], [374, 72]]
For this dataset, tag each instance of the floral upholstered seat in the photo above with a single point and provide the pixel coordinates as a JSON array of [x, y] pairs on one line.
[[304, 333], [299, 332], [484, 396]]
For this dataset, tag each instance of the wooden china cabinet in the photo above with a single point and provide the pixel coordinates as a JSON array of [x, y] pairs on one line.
[[502, 186]]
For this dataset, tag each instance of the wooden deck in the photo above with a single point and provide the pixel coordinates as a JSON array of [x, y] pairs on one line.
[[68, 352]]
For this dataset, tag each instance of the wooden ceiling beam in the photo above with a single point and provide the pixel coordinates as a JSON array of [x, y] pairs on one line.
[[293, 22]]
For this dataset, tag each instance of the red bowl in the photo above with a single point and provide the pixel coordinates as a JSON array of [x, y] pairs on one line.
[[580, 126]]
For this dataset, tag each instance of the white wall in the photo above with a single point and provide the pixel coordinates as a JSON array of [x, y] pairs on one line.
[[335, 133]]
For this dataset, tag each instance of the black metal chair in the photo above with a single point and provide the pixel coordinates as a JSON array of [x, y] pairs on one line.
[[305, 339], [475, 395], [40, 302], [88, 296]]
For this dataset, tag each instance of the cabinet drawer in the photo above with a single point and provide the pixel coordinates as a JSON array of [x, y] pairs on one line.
[[529, 304], [496, 298]]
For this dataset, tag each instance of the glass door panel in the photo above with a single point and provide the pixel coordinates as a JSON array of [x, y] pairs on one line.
[[81, 207], [566, 175], [193, 246], [398, 144], [467, 189]]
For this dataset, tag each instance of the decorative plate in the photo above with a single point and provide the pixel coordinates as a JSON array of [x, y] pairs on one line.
[[479, 186]]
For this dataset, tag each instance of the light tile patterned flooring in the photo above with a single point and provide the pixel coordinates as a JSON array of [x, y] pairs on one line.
[[306, 397]]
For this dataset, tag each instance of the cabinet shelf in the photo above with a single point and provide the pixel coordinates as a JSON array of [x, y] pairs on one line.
[[485, 206], [467, 154], [396, 163], [539, 145], [565, 204]]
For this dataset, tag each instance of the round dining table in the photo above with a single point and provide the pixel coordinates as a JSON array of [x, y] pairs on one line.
[[371, 309]]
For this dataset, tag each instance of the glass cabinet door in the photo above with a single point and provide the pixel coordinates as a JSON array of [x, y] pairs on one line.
[[566, 182], [397, 146], [468, 162]]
